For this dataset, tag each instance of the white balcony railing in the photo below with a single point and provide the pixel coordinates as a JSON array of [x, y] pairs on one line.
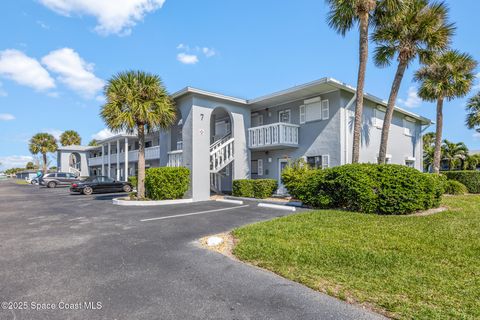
[[175, 158], [151, 153], [276, 134]]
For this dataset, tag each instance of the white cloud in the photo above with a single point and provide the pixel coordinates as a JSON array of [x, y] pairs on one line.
[[186, 58], [14, 161], [6, 117], [209, 52], [413, 100], [73, 71], [54, 132], [113, 16], [43, 25], [24, 70], [103, 134]]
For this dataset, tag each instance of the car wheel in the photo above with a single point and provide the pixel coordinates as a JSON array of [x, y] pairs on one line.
[[127, 188], [87, 191], [52, 184]]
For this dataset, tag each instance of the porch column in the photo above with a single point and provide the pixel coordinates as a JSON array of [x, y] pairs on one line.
[[118, 160], [109, 160], [126, 159], [103, 159]]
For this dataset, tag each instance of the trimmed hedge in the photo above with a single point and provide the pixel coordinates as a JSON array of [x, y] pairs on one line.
[[369, 188], [167, 183], [454, 187], [133, 180], [254, 188], [469, 178]]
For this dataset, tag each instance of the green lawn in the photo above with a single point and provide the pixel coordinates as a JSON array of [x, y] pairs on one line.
[[21, 181], [409, 267]]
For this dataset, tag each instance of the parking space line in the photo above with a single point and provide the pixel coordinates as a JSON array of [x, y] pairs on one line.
[[193, 213]]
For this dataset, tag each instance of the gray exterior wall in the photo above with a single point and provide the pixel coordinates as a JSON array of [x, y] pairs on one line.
[[196, 114], [400, 145], [320, 137], [63, 161]]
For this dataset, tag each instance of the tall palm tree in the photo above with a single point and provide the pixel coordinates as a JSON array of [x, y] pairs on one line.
[[70, 138], [447, 76], [137, 102], [342, 17], [428, 140], [453, 153], [43, 143], [473, 112], [417, 28], [471, 162]]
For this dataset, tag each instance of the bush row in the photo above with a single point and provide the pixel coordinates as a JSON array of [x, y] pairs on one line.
[[469, 178], [254, 188], [167, 183], [369, 188]]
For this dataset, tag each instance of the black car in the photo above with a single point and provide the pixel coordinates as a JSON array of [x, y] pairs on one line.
[[100, 184]]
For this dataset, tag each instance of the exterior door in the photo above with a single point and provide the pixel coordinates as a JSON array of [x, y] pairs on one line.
[[282, 164]]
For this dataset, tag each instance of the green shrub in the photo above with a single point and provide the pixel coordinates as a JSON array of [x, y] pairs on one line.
[[369, 188], [243, 188], [133, 180], [455, 187], [264, 188], [167, 182], [254, 188], [469, 178]]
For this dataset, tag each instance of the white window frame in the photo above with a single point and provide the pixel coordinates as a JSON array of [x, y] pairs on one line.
[[406, 128], [378, 121], [325, 111], [260, 167], [303, 115], [289, 115], [325, 161]]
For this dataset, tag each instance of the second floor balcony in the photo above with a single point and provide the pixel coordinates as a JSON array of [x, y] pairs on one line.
[[273, 136], [151, 153]]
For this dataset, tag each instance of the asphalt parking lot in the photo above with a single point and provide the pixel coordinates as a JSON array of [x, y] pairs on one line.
[[63, 250]]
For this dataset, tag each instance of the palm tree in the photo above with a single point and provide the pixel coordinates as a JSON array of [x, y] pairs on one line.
[[473, 112], [137, 102], [471, 162], [70, 138], [428, 140], [93, 143], [342, 17], [417, 29], [447, 76], [453, 153], [43, 143]]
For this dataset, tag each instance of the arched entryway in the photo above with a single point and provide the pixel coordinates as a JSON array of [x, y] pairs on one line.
[[75, 164], [221, 151]]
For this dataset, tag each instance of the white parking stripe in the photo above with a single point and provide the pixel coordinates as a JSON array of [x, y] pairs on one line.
[[193, 213]]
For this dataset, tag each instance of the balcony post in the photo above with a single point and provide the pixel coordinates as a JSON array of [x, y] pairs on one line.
[[109, 160], [103, 159], [126, 159], [118, 161]]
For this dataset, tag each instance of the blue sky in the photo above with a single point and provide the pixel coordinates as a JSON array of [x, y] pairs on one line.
[[56, 54]]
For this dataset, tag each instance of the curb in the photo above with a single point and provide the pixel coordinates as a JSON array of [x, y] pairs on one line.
[[128, 203], [277, 206], [230, 201]]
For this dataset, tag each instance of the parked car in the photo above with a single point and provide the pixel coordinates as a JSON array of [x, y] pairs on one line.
[[100, 184], [52, 180]]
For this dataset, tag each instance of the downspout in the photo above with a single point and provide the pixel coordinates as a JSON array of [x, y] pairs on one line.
[[345, 135]]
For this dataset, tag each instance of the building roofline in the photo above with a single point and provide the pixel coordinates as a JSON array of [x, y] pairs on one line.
[[331, 81]]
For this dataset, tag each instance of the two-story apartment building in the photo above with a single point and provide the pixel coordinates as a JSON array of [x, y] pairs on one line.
[[221, 138]]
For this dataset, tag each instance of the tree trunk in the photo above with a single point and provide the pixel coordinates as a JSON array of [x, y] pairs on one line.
[[44, 155], [363, 57], [382, 154], [141, 162], [438, 137]]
